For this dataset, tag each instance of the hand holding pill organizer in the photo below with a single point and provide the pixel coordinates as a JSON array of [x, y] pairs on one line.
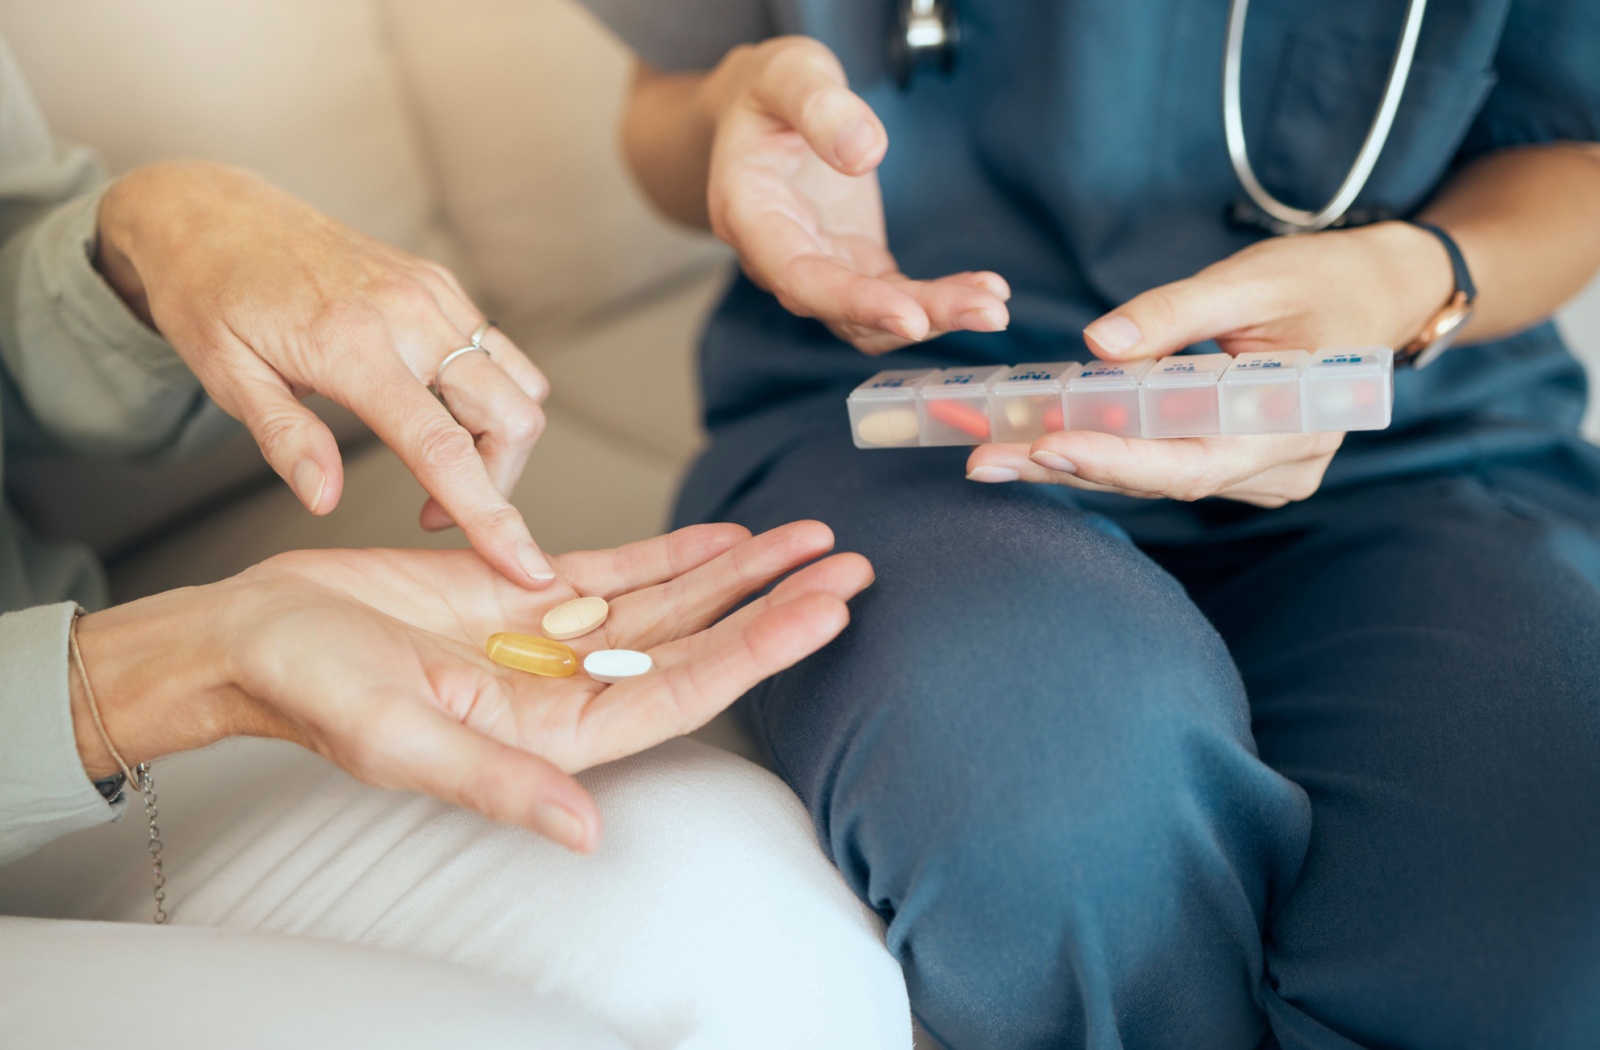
[[1187, 395]]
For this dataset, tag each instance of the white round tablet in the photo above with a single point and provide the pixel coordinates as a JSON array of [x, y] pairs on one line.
[[613, 665]]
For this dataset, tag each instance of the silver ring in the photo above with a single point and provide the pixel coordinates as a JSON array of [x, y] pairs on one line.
[[479, 332], [439, 372]]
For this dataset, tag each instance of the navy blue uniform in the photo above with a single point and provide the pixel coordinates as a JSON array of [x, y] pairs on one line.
[[1147, 774]]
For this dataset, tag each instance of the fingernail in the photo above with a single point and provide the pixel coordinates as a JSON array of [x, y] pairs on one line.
[[560, 825], [982, 320], [853, 143], [899, 327], [309, 483], [1054, 461], [1114, 334], [993, 475], [533, 563], [997, 287]]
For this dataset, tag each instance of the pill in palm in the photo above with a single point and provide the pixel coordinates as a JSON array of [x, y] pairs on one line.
[[613, 665], [540, 656], [575, 618]]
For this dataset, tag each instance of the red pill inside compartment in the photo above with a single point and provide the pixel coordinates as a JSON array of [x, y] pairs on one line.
[[1054, 418], [966, 418], [1115, 417]]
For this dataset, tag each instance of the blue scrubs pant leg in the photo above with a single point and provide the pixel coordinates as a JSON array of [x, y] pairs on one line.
[[1031, 753], [1425, 663]]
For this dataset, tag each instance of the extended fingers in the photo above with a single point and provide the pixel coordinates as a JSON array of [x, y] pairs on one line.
[[692, 601], [444, 458], [502, 419], [293, 440], [801, 84], [427, 751], [1266, 467], [688, 690], [609, 573]]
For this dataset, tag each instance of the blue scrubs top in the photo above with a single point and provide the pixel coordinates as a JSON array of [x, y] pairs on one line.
[[1078, 150]]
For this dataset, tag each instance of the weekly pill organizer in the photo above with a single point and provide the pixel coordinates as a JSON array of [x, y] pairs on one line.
[[1189, 395]]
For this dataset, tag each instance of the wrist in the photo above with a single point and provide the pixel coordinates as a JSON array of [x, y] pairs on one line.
[[113, 256], [1414, 273], [161, 671]]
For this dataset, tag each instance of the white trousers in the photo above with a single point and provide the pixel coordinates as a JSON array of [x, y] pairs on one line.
[[707, 920]]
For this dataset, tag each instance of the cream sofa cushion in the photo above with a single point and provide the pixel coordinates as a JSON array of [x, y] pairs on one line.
[[302, 91], [518, 101]]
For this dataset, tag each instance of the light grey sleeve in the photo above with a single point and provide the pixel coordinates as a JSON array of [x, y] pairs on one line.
[[44, 792], [682, 35]]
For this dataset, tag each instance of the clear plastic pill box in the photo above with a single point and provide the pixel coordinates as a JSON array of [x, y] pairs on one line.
[[1189, 395], [1349, 389], [883, 410], [1180, 396], [1104, 396], [1261, 393], [953, 406], [1026, 403]]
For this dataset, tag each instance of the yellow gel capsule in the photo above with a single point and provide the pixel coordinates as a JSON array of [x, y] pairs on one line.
[[540, 656]]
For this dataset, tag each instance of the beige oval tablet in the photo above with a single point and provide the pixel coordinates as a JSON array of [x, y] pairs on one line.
[[892, 426], [575, 618]]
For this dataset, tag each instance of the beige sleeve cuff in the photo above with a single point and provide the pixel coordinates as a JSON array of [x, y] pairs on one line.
[[44, 792]]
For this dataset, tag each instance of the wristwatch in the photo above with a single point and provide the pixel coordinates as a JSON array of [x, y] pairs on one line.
[[1440, 333]]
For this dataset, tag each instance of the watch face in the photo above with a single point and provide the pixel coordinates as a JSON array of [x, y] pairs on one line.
[[1445, 330]]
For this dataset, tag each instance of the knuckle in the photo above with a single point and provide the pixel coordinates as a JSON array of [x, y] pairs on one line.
[[349, 322], [277, 434], [523, 423], [407, 295], [444, 447]]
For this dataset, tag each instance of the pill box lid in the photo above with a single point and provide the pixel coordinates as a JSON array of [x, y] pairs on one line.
[[1268, 366], [892, 385], [1109, 375], [1356, 362], [1029, 379], [959, 382], [1188, 370]]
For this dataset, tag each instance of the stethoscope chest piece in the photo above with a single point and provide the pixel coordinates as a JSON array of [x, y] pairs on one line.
[[928, 35]]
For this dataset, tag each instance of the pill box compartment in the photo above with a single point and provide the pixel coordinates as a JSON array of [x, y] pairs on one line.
[[1180, 397], [1104, 396], [1349, 389], [1261, 393], [1025, 403], [953, 406], [883, 410]]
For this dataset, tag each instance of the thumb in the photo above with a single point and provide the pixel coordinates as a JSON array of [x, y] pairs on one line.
[[803, 86], [296, 444], [1167, 319]]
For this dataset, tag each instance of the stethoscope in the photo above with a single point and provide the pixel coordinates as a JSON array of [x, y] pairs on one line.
[[929, 34]]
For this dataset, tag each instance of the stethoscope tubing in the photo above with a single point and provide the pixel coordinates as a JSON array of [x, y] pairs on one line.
[[1294, 219]]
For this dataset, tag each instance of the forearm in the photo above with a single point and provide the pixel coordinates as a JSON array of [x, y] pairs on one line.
[[1528, 222], [667, 133]]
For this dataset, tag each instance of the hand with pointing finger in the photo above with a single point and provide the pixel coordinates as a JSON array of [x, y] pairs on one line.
[[268, 300], [793, 188], [1373, 286]]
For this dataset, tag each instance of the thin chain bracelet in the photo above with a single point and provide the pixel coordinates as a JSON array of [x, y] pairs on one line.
[[138, 776]]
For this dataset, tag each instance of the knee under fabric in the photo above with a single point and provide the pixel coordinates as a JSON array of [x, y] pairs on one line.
[[708, 918]]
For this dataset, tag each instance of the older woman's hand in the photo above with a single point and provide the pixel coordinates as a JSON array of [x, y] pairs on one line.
[[268, 299], [1373, 286], [375, 659]]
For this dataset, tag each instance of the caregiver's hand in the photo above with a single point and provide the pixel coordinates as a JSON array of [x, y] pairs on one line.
[[268, 299], [793, 187], [1373, 286], [375, 660]]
